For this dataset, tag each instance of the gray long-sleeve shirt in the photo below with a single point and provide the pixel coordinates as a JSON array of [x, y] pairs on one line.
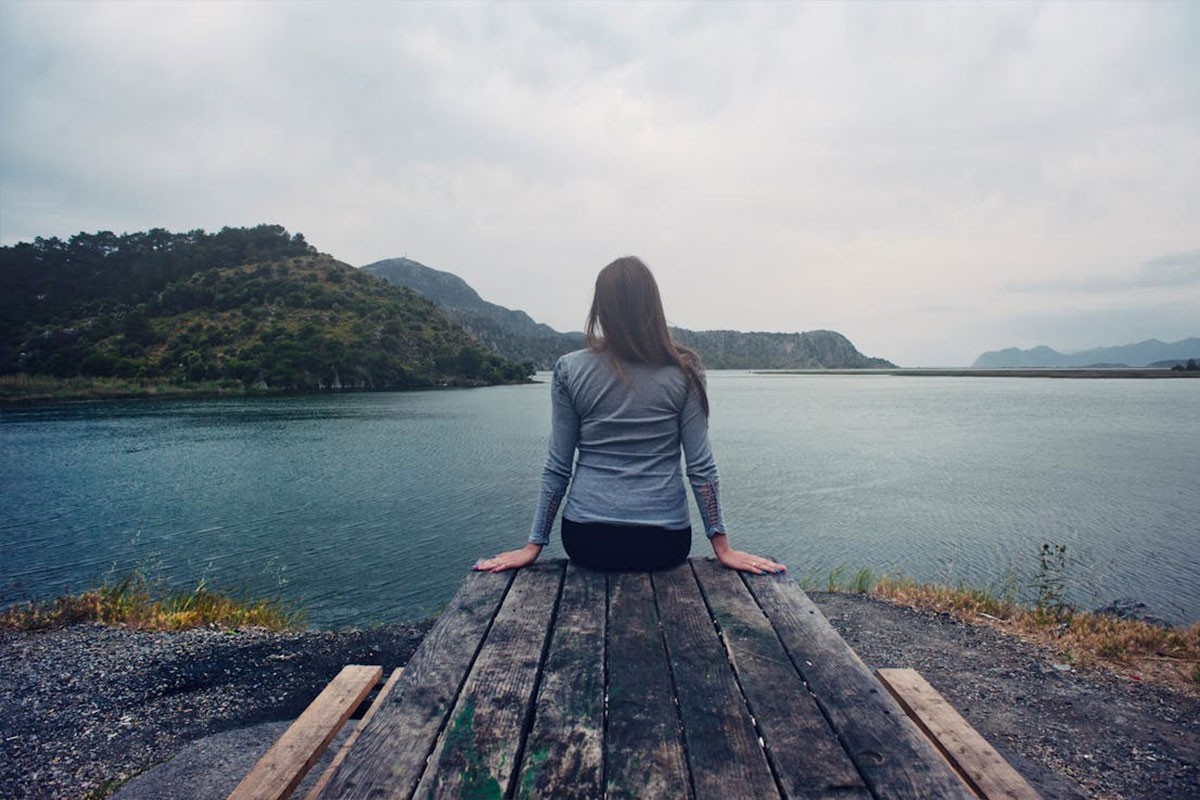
[[620, 438]]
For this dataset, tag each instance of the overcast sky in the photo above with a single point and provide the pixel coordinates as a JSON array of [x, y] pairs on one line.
[[931, 180]]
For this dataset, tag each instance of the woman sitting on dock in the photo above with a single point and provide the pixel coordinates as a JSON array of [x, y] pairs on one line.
[[627, 404]]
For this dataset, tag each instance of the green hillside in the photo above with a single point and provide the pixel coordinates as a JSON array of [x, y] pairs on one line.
[[241, 308]]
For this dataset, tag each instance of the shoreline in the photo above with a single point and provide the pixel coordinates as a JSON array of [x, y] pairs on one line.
[[89, 707], [22, 391], [1015, 372], [18, 391]]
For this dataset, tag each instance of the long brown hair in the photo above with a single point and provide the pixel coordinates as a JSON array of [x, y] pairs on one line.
[[629, 310]]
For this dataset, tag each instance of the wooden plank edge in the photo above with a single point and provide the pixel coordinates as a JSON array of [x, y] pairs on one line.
[[531, 706], [478, 593], [979, 765], [380, 698], [285, 764]]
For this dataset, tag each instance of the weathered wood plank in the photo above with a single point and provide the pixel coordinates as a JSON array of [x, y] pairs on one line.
[[969, 753], [392, 751], [282, 768], [643, 748], [889, 751], [564, 754], [808, 759], [477, 754], [347, 745], [722, 745]]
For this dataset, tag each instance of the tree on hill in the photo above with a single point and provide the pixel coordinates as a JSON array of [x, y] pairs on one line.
[[255, 307]]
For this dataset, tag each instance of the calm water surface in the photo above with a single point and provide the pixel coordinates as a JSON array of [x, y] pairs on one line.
[[371, 507]]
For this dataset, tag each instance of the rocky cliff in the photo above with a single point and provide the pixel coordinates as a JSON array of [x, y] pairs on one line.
[[808, 350]]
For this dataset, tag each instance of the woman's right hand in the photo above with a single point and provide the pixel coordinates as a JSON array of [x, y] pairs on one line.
[[741, 560], [512, 559]]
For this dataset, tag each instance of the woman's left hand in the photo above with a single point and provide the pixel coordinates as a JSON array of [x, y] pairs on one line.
[[741, 560]]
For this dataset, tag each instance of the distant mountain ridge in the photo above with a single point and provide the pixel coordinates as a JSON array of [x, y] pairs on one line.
[[515, 335], [1141, 354]]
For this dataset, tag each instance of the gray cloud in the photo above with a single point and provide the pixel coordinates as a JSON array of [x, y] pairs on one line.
[[1175, 270], [914, 175], [1178, 269], [1074, 330]]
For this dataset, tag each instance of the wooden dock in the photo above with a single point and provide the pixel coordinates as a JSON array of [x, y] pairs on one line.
[[697, 682]]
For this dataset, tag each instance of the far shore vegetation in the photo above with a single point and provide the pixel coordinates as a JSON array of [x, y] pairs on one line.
[[23, 389], [30, 390], [1006, 372]]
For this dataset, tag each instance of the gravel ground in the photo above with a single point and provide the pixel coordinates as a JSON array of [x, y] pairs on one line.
[[85, 708], [1070, 734]]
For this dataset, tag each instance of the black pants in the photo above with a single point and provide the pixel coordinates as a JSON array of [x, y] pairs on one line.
[[625, 548]]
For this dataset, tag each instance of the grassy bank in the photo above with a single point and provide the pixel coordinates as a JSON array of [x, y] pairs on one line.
[[1134, 648], [140, 603]]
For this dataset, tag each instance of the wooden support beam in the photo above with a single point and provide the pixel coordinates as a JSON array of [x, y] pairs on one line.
[[353, 737], [277, 773], [984, 770]]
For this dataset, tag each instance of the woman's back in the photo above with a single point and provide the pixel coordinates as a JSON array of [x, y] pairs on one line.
[[631, 425], [622, 411]]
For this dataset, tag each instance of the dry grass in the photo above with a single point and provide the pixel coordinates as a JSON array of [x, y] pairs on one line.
[[138, 603], [1132, 648], [962, 602]]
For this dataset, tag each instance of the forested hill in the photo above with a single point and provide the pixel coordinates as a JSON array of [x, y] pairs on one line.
[[241, 307], [515, 335]]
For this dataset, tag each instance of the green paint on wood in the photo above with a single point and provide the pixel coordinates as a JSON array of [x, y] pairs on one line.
[[733, 627], [477, 782], [532, 770]]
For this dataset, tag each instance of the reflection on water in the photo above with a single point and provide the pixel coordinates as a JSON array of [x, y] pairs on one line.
[[371, 507]]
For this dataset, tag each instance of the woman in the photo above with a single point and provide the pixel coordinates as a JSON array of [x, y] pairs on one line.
[[627, 404]]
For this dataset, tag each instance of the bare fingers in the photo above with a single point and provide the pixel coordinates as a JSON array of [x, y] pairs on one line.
[[497, 564], [513, 559], [758, 565]]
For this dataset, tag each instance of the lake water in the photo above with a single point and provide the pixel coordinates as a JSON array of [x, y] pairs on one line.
[[371, 507]]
